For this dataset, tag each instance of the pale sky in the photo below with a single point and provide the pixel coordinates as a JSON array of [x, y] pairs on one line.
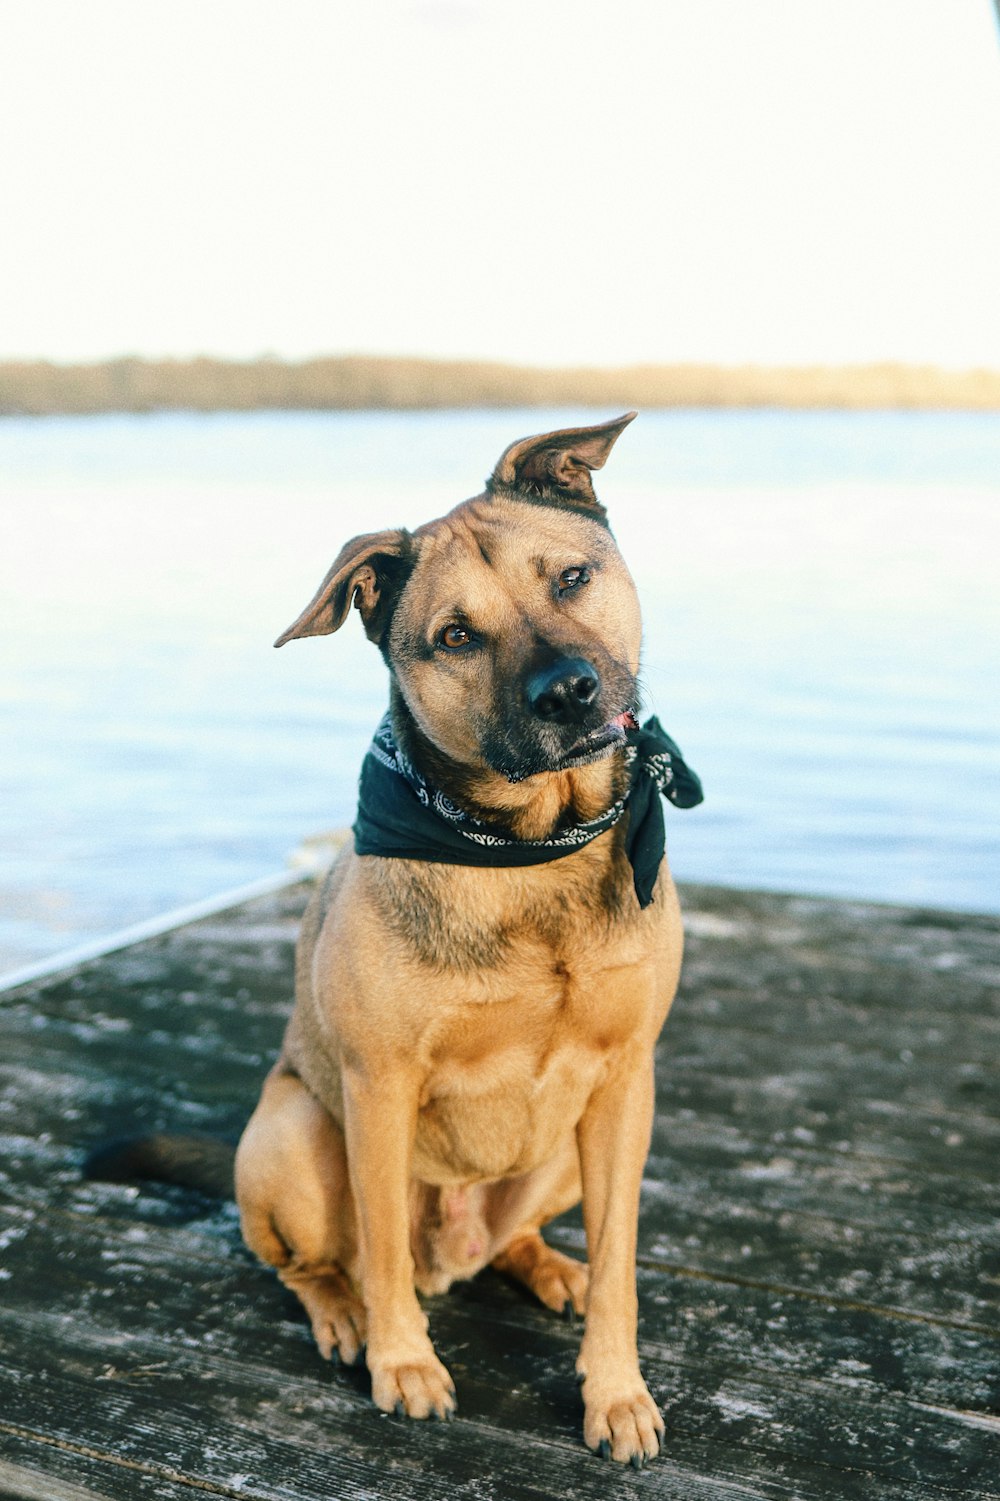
[[547, 181]]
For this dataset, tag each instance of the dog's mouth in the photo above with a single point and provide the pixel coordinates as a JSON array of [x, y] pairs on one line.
[[599, 743]]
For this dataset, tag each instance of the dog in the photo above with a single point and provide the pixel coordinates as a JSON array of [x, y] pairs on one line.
[[480, 980]]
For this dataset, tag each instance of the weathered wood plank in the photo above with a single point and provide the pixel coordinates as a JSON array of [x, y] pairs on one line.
[[200, 1322], [785, 1225], [250, 1435], [38, 1469], [152, 1399], [690, 1318], [819, 1267]]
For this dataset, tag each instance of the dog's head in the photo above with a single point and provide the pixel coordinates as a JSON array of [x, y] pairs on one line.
[[511, 625]]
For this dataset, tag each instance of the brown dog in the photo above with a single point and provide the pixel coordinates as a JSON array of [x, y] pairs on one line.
[[472, 1041]]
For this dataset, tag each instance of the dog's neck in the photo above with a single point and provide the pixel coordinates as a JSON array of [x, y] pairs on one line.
[[534, 808]]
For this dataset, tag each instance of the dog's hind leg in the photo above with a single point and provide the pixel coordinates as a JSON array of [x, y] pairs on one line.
[[517, 1208], [297, 1212]]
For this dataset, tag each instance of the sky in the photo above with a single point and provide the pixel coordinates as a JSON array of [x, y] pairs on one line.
[[540, 181]]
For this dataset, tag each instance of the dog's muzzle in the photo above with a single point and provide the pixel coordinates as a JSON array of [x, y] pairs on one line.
[[564, 713]]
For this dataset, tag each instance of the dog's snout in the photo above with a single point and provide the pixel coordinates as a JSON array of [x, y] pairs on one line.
[[564, 690]]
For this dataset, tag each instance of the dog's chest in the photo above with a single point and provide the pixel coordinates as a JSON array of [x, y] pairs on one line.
[[508, 1079], [523, 988], [481, 923]]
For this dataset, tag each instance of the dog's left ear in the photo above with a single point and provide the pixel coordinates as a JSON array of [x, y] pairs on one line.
[[560, 461]]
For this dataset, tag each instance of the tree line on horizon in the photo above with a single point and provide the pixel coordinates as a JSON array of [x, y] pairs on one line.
[[358, 382]]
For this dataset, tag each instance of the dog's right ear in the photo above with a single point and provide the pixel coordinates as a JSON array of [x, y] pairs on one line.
[[560, 463], [369, 571]]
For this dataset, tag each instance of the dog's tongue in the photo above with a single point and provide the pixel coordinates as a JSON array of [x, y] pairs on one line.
[[625, 721]]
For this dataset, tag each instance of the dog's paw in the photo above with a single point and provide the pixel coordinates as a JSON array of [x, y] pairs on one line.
[[339, 1328], [416, 1389], [336, 1313], [561, 1283], [624, 1425], [558, 1281]]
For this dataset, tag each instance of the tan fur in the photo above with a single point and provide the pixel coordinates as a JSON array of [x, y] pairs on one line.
[[472, 1048]]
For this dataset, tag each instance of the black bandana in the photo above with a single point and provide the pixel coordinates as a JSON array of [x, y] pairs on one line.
[[401, 817]]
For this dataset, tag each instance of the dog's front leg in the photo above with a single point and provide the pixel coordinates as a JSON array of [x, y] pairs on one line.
[[380, 1122], [620, 1417]]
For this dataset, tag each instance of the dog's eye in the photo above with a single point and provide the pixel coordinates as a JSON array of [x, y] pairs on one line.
[[454, 637], [572, 578]]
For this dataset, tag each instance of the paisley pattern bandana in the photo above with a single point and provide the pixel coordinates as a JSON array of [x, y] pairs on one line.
[[401, 816]]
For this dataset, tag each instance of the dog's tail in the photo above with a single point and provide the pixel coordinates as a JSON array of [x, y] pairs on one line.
[[201, 1162]]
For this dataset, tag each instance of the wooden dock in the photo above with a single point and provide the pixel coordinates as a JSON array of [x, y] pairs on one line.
[[819, 1267]]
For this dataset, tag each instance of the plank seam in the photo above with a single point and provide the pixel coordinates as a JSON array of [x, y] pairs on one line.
[[158, 1472], [831, 1300]]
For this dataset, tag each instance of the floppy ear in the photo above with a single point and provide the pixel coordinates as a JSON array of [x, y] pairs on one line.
[[369, 571], [560, 461]]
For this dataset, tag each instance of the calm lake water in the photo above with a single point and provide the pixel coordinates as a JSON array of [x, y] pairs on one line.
[[822, 625]]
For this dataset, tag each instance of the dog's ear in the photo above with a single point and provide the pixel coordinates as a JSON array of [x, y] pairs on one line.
[[369, 571], [560, 462]]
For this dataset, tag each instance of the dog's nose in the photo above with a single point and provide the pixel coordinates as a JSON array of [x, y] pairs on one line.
[[563, 691]]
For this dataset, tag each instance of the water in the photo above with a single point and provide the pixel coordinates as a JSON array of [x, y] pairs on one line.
[[822, 639]]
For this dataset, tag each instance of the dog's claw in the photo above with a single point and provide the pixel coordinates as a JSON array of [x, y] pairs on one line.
[[604, 1448], [638, 1461], [568, 1311], [400, 1409]]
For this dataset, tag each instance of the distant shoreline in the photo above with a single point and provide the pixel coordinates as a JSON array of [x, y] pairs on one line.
[[40, 388]]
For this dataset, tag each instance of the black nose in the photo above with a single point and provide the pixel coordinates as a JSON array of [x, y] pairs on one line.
[[563, 691]]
